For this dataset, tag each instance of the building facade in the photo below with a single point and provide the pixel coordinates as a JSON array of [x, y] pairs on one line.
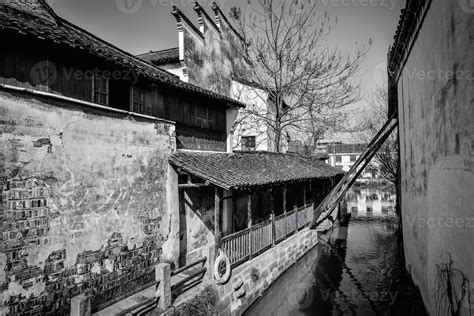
[[111, 165], [430, 81], [206, 56]]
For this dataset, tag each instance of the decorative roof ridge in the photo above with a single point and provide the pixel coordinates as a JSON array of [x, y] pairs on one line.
[[219, 14], [180, 17], [203, 14], [411, 18]]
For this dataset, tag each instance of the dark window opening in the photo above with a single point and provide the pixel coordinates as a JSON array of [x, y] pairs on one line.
[[338, 158], [138, 100], [353, 158], [248, 143], [204, 117], [101, 90]]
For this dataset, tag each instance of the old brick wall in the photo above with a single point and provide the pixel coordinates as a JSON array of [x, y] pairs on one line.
[[437, 146], [87, 204]]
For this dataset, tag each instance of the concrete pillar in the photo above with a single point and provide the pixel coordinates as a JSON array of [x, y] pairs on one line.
[[163, 288], [80, 306], [211, 259]]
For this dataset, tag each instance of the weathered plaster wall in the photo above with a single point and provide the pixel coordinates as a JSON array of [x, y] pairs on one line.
[[211, 62], [197, 221], [85, 206], [437, 146]]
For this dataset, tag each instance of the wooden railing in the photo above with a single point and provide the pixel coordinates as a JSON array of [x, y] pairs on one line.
[[237, 246], [245, 244]]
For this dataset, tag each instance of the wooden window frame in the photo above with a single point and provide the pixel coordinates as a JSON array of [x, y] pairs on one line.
[[248, 148], [134, 104], [95, 93]]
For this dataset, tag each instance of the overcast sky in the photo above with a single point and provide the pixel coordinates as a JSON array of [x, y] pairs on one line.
[[138, 26]]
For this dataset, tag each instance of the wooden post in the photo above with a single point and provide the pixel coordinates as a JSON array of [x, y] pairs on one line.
[[272, 210], [249, 222], [217, 219], [284, 210], [234, 213]]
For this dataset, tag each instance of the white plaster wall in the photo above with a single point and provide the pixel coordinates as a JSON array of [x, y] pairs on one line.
[[248, 124], [436, 147]]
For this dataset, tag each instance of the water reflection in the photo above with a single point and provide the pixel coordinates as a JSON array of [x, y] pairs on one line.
[[371, 201], [355, 270]]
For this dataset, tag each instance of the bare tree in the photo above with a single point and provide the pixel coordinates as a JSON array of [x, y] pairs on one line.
[[385, 160], [285, 43]]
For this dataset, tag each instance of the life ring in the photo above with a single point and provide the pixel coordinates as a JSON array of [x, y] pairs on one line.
[[222, 268]]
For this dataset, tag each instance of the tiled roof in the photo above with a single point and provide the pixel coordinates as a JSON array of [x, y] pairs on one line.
[[243, 170], [41, 22], [346, 148], [161, 57]]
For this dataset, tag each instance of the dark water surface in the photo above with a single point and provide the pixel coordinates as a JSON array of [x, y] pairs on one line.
[[355, 270]]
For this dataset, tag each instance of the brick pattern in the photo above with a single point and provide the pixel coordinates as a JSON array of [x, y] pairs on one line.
[[103, 275]]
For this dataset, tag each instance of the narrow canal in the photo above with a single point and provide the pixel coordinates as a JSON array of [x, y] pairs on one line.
[[354, 270]]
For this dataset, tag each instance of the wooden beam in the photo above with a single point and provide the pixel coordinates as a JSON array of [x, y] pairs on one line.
[[192, 185]]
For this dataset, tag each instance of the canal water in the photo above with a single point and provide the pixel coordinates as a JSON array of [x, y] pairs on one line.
[[354, 270]]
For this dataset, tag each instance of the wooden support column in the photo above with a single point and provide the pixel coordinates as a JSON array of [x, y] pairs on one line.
[[272, 210], [249, 222], [217, 219], [234, 214], [304, 195]]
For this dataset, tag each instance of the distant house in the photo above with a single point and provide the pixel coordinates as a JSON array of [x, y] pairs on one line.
[[340, 155]]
